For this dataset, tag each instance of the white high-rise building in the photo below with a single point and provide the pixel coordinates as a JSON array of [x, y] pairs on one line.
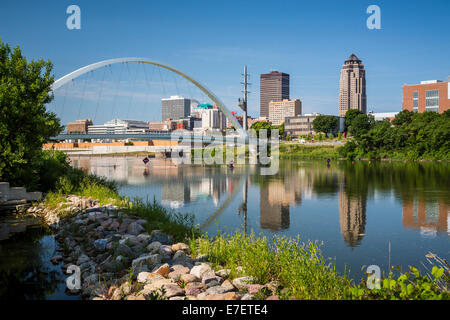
[[213, 119]]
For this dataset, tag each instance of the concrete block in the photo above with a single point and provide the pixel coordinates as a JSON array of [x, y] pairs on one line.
[[4, 188], [33, 196], [17, 193]]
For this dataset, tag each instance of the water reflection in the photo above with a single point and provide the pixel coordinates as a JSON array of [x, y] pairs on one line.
[[421, 188]]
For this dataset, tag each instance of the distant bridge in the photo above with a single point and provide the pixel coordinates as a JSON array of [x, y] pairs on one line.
[[79, 72], [186, 137]]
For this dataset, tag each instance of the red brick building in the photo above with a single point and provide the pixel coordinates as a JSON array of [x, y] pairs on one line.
[[433, 95]]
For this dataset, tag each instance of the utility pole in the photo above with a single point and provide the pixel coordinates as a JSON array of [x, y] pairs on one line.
[[243, 103]]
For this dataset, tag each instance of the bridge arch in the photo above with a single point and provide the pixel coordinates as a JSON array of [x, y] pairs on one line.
[[75, 74]]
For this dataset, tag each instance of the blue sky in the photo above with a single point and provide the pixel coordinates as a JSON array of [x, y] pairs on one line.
[[213, 40]]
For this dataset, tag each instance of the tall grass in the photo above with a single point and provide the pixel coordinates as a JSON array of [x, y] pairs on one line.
[[180, 225], [296, 151], [299, 267]]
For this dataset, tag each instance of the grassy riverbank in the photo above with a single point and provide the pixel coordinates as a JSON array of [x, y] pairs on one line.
[[297, 151], [299, 270]]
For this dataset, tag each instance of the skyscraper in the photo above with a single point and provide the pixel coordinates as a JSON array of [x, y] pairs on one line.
[[175, 108], [352, 93], [274, 86]]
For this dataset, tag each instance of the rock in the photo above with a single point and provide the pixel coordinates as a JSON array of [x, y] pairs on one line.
[[135, 228], [147, 277], [224, 273], [248, 296], [92, 279], [114, 226], [228, 285], [210, 277], [150, 260], [154, 247], [201, 269], [144, 238], [242, 282], [125, 288], [159, 236], [187, 278], [117, 294], [163, 270], [100, 244], [173, 290], [154, 285], [218, 290], [194, 288], [133, 297], [165, 251], [141, 222], [105, 224], [179, 255], [124, 250], [56, 259], [181, 246], [201, 296], [225, 296], [254, 288], [178, 272], [177, 298], [132, 241], [111, 290], [274, 297], [82, 259]]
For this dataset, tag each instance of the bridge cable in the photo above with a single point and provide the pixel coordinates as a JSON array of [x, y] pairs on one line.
[[100, 92], [134, 91], [176, 84], [162, 83], [117, 90], [64, 101], [148, 90], [82, 97]]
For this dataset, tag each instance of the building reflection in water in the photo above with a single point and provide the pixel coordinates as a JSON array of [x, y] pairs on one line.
[[430, 217], [277, 194], [352, 218]]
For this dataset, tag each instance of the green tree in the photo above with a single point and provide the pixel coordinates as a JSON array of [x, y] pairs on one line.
[[361, 124], [325, 123], [403, 117], [257, 126], [349, 116], [25, 124]]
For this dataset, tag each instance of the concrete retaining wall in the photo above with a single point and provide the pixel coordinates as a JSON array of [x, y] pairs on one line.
[[17, 193]]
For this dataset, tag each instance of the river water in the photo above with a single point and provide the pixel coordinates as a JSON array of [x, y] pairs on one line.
[[363, 213]]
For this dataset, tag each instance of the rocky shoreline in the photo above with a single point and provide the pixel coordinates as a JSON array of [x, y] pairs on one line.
[[120, 260]]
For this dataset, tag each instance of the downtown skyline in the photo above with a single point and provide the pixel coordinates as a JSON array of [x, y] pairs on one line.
[[212, 43]]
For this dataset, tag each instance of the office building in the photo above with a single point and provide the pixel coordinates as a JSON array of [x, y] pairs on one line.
[[300, 125], [431, 95], [278, 110], [214, 119], [117, 126], [175, 108], [352, 83], [274, 86], [303, 125], [79, 126]]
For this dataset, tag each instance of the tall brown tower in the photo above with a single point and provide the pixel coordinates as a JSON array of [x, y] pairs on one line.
[[352, 93], [274, 86]]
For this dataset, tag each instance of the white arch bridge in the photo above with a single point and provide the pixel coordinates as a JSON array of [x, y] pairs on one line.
[[163, 136]]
